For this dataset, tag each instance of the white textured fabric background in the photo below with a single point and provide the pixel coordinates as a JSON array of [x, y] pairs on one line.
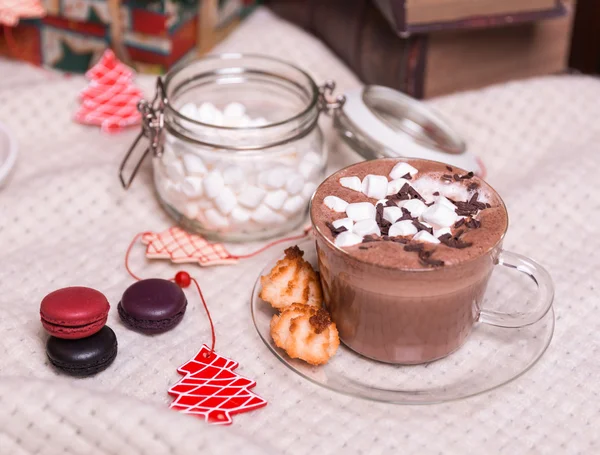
[[65, 220]]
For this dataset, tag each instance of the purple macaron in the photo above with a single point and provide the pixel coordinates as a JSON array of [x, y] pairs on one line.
[[152, 306]]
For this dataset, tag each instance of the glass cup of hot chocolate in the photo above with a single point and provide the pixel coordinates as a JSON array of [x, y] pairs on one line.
[[406, 248]]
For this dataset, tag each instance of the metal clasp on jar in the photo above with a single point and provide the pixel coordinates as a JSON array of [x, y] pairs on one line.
[[328, 104], [153, 121]]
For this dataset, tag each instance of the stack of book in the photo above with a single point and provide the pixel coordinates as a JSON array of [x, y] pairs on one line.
[[427, 48]]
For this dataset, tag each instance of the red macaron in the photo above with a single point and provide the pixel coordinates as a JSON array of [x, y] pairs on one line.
[[74, 312]]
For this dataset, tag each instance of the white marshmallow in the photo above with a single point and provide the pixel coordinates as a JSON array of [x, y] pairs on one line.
[[346, 222], [273, 178], [401, 169], [375, 186], [192, 186], [193, 164], [264, 215], [442, 231], [213, 184], [347, 239], [233, 175], [366, 227], [335, 203], [189, 110], [215, 219], [207, 113], [251, 196], [414, 206], [234, 110], [191, 210], [275, 199], [405, 227], [392, 214], [353, 183], [293, 204], [396, 185], [294, 184], [240, 215], [445, 202], [361, 211], [174, 170], [309, 169], [424, 236], [438, 215], [225, 201], [309, 189]]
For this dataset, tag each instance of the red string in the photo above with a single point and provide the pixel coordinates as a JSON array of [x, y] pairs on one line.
[[212, 326], [137, 236], [275, 242]]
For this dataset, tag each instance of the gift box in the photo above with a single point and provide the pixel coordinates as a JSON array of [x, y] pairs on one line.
[[151, 35]]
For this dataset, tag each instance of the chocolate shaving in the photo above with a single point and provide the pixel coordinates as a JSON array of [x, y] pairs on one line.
[[405, 215], [320, 320], [370, 238], [468, 175], [413, 247], [459, 223], [459, 233], [453, 242], [384, 225], [421, 227], [335, 231], [436, 193], [390, 203], [407, 176], [473, 223], [473, 186], [456, 177], [425, 258], [363, 247], [441, 238], [447, 177], [488, 205], [415, 194], [450, 168]]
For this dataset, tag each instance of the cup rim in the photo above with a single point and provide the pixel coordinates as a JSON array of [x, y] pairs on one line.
[[422, 270]]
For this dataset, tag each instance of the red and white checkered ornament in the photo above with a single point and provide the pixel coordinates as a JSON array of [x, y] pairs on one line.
[[182, 247], [11, 11], [110, 101]]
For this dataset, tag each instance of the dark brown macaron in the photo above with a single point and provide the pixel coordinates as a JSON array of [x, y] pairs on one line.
[[152, 306]]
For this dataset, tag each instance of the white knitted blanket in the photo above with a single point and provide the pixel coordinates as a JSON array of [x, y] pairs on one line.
[[65, 220]]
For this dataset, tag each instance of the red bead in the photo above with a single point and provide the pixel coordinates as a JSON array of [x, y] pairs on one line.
[[183, 279]]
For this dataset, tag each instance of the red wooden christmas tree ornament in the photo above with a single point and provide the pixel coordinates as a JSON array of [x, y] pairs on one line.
[[210, 389], [110, 101]]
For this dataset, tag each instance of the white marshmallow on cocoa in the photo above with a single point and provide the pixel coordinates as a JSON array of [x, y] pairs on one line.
[[225, 201], [439, 215], [347, 239], [192, 186], [275, 199], [405, 227], [375, 186], [396, 185], [415, 206], [346, 222], [352, 183], [445, 202], [193, 164], [293, 205], [251, 196], [294, 184], [401, 169], [213, 184], [335, 203], [424, 236], [441, 231], [392, 214], [358, 211], [264, 215], [366, 227], [233, 175], [215, 219], [240, 215]]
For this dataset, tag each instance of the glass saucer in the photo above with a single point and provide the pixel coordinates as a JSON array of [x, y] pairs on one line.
[[491, 357]]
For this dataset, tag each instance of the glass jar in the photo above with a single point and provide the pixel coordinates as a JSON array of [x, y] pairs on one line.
[[237, 183]]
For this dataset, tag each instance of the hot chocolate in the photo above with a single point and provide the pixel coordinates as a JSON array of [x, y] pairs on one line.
[[406, 248]]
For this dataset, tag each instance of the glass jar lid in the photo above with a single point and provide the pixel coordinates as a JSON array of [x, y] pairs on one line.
[[381, 122]]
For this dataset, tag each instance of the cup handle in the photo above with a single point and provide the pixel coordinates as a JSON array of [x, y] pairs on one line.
[[542, 303]]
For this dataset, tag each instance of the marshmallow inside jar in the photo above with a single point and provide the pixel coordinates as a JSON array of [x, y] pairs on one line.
[[242, 150]]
